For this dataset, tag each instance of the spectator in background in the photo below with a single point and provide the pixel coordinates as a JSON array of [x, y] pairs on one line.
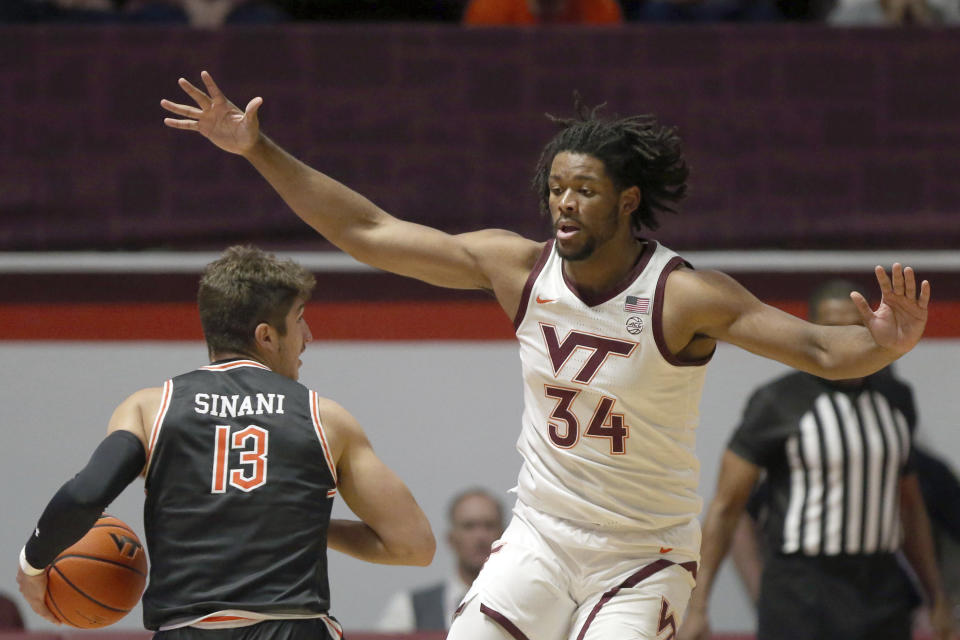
[[684, 11], [10, 619], [374, 10], [475, 522], [72, 11], [529, 12], [203, 14], [884, 13]]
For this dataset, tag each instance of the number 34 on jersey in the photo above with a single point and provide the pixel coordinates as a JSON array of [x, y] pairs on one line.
[[563, 425]]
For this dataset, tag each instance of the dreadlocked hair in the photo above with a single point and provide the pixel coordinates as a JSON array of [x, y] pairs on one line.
[[635, 151]]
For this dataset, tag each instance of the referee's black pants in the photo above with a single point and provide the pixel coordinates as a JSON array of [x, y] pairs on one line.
[[835, 598]]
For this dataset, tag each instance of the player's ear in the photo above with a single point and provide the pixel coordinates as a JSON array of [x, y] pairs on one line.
[[265, 337], [629, 200]]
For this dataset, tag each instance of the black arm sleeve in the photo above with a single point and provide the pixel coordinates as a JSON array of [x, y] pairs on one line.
[[77, 505]]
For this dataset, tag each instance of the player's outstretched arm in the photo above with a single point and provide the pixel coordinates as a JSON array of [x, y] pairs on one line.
[[392, 528], [712, 304], [115, 463], [344, 217]]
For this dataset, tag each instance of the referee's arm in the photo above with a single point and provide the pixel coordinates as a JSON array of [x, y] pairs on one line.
[[919, 550], [735, 481]]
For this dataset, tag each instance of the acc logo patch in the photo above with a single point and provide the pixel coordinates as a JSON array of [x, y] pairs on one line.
[[634, 325]]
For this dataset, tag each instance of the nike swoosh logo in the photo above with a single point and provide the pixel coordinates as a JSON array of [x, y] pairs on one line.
[[545, 300], [666, 549]]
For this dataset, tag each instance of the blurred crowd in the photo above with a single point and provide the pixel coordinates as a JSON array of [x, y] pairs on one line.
[[206, 14]]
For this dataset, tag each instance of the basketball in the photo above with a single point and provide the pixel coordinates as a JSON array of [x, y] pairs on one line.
[[100, 578]]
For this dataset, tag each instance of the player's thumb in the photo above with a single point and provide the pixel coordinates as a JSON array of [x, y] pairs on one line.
[[253, 107], [866, 313]]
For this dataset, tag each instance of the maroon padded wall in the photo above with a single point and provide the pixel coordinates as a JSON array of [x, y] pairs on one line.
[[799, 136]]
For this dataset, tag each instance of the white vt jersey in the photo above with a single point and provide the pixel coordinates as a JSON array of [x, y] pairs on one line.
[[609, 414]]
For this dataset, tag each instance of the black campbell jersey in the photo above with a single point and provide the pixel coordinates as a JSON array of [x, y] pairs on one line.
[[239, 487], [833, 456]]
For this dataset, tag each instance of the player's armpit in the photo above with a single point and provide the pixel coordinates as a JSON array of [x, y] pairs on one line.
[[137, 413]]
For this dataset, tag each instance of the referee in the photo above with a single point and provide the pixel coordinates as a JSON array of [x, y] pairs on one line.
[[843, 499]]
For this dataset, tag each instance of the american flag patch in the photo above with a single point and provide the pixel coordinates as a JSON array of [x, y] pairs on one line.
[[637, 305]]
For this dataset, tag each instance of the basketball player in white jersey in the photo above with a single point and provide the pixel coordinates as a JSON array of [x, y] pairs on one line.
[[615, 331]]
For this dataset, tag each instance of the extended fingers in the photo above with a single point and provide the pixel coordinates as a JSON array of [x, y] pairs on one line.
[[883, 280], [187, 125], [211, 85], [924, 300], [202, 99], [181, 109], [898, 280], [909, 283]]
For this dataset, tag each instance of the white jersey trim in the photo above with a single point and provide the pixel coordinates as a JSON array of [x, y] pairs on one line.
[[235, 364]]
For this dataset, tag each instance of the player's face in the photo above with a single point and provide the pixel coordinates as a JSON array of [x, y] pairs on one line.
[[476, 525], [292, 344], [584, 205]]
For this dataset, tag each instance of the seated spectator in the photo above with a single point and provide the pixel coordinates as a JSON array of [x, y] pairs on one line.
[[677, 11], [525, 12], [374, 10], [882, 13], [475, 523], [204, 14], [73, 11]]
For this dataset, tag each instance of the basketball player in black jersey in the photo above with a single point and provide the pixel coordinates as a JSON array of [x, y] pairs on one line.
[[241, 464]]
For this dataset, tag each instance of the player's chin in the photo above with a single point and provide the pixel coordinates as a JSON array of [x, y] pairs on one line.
[[572, 252]]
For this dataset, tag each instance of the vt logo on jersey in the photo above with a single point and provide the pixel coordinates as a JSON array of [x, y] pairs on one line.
[[601, 346], [563, 425], [126, 545]]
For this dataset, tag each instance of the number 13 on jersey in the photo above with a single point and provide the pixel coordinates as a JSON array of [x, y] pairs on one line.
[[252, 471]]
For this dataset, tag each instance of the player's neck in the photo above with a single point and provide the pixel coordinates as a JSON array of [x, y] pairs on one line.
[[220, 356], [607, 267]]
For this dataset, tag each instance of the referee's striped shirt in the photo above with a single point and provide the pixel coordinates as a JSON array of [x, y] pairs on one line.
[[834, 455]]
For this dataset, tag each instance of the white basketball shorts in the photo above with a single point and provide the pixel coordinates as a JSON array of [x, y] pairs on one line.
[[548, 579]]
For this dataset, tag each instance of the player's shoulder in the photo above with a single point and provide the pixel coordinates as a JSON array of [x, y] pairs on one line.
[[704, 293], [145, 398], [503, 245], [334, 417]]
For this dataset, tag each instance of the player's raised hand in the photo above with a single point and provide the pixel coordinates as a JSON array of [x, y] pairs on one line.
[[216, 117], [898, 322]]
